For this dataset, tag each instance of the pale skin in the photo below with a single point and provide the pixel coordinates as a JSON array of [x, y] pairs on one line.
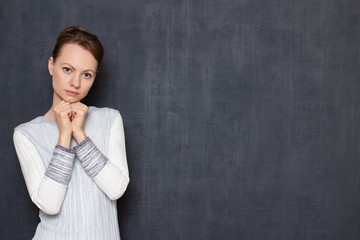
[[73, 73]]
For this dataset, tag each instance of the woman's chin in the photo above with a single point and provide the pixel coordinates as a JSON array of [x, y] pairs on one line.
[[71, 99]]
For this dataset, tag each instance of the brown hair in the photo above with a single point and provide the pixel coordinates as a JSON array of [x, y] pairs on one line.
[[82, 37]]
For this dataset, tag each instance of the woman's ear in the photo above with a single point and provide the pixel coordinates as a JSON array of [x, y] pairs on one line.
[[51, 65]]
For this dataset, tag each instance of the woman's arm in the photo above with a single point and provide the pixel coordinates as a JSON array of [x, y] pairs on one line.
[[109, 173], [46, 187]]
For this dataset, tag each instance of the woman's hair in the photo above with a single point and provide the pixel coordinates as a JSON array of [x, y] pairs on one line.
[[81, 37]]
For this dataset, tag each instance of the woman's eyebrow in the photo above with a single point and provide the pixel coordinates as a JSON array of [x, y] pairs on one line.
[[68, 64], [90, 70], [75, 68]]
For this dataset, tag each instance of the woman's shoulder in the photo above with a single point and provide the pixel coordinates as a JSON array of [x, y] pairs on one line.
[[100, 120], [36, 123], [37, 128], [96, 113], [102, 111]]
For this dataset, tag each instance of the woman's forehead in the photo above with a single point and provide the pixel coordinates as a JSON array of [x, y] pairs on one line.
[[77, 56]]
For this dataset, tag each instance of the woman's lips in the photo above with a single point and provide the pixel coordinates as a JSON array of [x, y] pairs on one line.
[[71, 93]]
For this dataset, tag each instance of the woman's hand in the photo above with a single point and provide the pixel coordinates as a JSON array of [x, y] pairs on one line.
[[63, 113], [79, 112]]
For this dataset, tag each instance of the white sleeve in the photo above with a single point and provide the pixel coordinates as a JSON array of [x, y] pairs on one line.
[[109, 173], [46, 190]]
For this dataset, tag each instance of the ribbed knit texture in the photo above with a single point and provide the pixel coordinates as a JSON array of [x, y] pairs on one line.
[[90, 157], [61, 164], [81, 203]]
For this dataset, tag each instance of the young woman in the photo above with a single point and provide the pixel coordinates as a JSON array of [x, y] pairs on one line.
[[73, 158]]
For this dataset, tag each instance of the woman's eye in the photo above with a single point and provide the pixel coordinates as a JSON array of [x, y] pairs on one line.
[[66, 69], [87, 75]]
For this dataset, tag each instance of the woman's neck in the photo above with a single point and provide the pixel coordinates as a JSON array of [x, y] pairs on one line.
[[50, 114]]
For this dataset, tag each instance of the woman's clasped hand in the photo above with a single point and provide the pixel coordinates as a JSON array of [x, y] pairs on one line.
[[70, 118]]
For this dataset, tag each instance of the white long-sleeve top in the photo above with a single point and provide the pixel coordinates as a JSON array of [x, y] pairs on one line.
[[75, 189]]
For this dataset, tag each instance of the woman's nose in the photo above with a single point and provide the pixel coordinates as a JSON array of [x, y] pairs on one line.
[[75, 81]]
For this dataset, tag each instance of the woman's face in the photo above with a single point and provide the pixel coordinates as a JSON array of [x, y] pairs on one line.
[[73, 73]]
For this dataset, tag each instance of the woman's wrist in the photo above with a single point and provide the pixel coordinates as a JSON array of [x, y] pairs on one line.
[[64, 140], [79, 136]]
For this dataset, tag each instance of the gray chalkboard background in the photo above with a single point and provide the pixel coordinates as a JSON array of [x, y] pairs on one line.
[[242, 117]]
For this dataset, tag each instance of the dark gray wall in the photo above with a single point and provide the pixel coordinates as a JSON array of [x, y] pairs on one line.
[[241, 117]]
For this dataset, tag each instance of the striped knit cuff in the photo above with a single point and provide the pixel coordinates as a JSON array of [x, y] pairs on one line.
[[90, 157], [61, 165]]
